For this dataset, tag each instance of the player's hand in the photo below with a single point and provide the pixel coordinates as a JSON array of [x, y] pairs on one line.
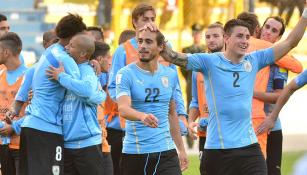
[[9, 116], [150, 120], [53, 72], [6, 130], [95, 64], [183, 159], [150, 26], [265, 126], [193, 130]]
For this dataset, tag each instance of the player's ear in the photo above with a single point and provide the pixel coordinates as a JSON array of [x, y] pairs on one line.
[[160, 48]]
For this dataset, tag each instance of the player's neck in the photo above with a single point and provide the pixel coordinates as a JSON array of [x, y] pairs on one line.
[[150, 66], [234, 58], [13, 63]]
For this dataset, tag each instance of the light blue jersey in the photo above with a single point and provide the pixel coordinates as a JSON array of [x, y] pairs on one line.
[[118, 62], [301, 79], [12, 76], [229, 91], [80, 124], [277, 80], [149, 93], [43, 112]]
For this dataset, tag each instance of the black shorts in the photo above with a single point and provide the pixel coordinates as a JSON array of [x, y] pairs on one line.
[[107, 164], [7, 161], [163, 163], [274, 152], [202, 141], [115, 140], [239, 161], [41, 152], [83, 161]]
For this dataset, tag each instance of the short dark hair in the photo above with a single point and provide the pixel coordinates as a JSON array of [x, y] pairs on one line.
[[279, 19], [251, 19], [160, 38], [126, 35], [12, 42], [3, 17], [139, 10], [69, 26], [101, 49], [96, 29], [228, 28]]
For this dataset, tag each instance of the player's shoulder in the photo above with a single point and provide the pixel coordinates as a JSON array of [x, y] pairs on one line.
[[127, 69], [168, 69]]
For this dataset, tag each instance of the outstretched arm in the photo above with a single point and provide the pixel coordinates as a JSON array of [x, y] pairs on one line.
[[282, 48], [282, 100], [180, 59]]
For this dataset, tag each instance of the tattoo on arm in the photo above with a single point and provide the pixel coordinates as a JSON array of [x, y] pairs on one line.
[[175, 57]]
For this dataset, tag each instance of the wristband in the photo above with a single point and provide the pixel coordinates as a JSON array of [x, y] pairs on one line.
[[304, 15]]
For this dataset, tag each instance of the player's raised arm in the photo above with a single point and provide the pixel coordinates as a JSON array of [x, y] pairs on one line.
[[282, 48], [180, 59]]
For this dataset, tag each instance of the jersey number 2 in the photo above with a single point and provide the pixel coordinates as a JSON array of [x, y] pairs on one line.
[[236, 75], [155, 92]]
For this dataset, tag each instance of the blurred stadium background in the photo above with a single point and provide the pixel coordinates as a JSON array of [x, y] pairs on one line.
[[30, 18]]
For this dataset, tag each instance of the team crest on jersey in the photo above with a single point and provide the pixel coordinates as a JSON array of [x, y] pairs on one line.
[[164, 81], [55, 170], [118, 78], [247, 66]]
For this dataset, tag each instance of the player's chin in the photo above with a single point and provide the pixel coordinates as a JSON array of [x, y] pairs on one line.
[[145, 60]]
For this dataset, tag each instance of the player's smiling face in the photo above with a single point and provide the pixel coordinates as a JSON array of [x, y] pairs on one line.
[[238, 41], [271, 30], [147, 45]]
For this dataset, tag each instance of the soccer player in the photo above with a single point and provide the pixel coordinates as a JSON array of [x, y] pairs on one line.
[[231, 146], [81, 130], [103, 56], [4, 25], [11, 78], [44, 120], [125, 54], [198, 106], [145, 94], [49, 38], [262, 77], [272, 30]]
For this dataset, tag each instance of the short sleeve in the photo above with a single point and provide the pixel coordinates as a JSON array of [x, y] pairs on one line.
[[264, 57], [123, 83], [198, 62]]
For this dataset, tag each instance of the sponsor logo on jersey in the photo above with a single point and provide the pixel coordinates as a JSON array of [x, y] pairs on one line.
[[247, 66]]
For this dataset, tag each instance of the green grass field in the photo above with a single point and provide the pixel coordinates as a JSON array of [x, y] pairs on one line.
[[288, 161]]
